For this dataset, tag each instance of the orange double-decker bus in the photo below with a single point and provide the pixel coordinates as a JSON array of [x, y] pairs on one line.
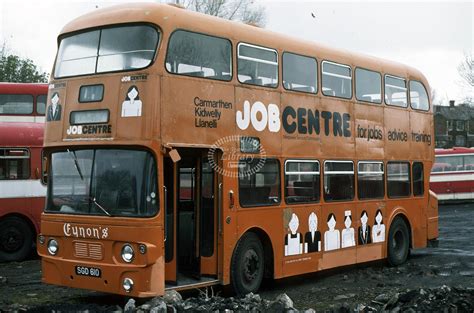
[[194, 151]]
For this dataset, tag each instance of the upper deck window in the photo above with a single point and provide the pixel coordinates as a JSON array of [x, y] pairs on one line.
[[418, 96], [257, 65], [395, 91], [368, 86], [194, 54], [106, 50], [299, 73], [16, 104], [337, 80], [453, 163]]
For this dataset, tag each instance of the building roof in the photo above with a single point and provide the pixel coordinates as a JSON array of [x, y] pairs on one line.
[[459, 112]]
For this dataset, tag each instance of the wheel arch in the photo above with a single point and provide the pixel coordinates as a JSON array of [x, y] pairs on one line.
[[400, 212]]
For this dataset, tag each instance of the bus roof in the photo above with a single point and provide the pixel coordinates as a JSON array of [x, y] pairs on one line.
[[455, 150], [23, 88], [170, 18], [21, 134]]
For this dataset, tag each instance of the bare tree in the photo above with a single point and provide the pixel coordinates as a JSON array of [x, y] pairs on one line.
[[466, 70], [246, 11], [436, 99]]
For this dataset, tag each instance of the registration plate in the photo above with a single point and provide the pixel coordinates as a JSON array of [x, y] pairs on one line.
[[88, 271]]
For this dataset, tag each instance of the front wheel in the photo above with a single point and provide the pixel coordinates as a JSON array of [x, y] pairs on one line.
[[398, 242], [247, 265], [16, 239]]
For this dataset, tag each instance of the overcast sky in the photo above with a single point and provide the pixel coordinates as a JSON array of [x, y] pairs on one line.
[[431, 36]]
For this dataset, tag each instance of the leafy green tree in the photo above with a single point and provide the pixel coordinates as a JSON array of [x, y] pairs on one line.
[[19, 70]]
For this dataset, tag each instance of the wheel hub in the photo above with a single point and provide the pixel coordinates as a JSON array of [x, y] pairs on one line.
[[11, 240], [251, 265]]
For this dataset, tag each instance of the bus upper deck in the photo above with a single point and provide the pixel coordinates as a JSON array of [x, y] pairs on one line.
[[23, 102]]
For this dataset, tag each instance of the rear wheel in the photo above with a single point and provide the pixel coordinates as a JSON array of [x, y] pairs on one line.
[[247, 265], [398, 242], [16, 239]]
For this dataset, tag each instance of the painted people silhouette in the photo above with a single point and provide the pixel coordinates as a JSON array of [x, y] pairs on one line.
[[312, 239], [332, 237], [293, 240], [132, 106], [378, 230], [364, 229], [54, 109], [348, 237]]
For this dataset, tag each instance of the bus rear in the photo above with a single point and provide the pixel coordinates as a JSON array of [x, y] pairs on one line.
[[452, 175]]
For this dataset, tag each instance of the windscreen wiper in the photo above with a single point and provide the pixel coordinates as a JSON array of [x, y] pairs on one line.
[[76, 164], [99, 206]]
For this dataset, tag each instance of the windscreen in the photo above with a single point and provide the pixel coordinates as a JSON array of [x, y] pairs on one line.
[[106, 50], [111, 182]]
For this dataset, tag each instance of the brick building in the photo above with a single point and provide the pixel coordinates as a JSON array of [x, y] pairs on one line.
[[454, 125]]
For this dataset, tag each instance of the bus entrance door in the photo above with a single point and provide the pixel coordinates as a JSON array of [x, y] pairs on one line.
[[193, 215]]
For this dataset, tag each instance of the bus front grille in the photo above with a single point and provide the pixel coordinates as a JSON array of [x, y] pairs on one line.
[[87, 250]]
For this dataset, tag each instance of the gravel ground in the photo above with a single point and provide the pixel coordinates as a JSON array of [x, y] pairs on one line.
[[416, 285]]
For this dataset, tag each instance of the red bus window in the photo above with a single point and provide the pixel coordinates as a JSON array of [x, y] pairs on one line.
[[16, 104], [41, 104], [14, 164]]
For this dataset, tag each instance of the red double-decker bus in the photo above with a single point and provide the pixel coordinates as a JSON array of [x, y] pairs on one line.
[[452, 175], [22, 192], [23, 102]]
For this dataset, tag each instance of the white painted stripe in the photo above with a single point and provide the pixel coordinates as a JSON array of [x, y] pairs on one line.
[[456, 196], [450, 178], [28, 119], [21, 189]]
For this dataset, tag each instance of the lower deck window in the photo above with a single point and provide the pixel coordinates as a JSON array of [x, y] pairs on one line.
[[338, 180], [418, 179], [259, 182], [14, 164], [370, 180], [301, 181], [398, 179]]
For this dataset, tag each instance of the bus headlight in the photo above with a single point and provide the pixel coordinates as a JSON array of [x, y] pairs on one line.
[[127, 284], [53, 246], [127, 253]]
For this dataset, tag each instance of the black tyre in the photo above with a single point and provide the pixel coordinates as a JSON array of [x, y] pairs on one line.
[[247, 265], [16, 239], [398, 242]]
